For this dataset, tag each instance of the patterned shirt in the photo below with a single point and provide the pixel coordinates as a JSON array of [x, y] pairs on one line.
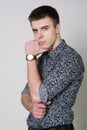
[[61, 71]]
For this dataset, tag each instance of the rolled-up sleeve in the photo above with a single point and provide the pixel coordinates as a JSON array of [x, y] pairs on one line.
[[60, 78], [26, 89]]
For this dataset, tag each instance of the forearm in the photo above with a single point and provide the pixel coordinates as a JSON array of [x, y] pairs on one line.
[[26, 101], [34, 80]]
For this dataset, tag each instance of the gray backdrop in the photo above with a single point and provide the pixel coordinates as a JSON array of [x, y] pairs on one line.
[[14, 32]]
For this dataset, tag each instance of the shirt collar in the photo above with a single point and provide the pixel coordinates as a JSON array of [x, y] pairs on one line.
[[53, 53]]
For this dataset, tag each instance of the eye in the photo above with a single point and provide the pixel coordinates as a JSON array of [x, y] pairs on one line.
[[45, 28], [34, 30]]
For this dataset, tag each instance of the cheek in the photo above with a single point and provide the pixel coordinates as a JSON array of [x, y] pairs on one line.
[[35, 36], [52, 37], [48, 35]]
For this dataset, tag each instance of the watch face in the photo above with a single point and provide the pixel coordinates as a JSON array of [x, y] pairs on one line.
[[30, 57]]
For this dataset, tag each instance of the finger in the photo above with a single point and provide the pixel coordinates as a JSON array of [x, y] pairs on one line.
[[42, 111], [38, 115], [48, 103], [41, 105]]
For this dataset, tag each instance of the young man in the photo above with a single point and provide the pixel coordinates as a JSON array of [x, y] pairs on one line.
[[54, 78]]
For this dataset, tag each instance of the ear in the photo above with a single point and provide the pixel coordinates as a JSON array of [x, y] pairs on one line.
[[58, 28]]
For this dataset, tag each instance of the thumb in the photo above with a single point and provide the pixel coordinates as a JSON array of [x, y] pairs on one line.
[[48, 103]]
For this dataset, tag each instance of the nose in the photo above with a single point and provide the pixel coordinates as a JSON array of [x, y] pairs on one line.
[[39, 34]]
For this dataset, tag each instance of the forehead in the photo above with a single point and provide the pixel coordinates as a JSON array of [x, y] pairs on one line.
[[42, 22]]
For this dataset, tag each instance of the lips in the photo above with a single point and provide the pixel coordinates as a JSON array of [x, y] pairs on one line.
[[41, 42]]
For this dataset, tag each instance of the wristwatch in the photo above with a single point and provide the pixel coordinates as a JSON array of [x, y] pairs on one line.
[[30, 57]]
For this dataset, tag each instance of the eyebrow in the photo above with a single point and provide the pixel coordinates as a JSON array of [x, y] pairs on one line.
[[46, 26]]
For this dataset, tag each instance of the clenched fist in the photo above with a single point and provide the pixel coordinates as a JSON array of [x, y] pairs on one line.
[[32, 47]]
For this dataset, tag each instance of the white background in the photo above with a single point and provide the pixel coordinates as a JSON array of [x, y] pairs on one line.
[[14, 32]]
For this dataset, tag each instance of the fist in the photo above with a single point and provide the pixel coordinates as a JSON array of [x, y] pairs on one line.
[[38, 110], [32, 47]]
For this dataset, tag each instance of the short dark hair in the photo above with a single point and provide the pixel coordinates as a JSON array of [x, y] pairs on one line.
[[44, 11]]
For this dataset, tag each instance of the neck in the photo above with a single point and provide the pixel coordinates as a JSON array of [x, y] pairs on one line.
[[58, 41]]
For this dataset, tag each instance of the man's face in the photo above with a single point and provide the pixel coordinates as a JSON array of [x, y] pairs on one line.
[[45, 33]]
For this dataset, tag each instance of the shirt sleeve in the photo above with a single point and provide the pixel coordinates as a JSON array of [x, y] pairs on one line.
[[60, 78], [26, 89]]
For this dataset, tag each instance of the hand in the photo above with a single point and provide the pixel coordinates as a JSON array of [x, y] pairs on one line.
[[33, 47], [39, 109]]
